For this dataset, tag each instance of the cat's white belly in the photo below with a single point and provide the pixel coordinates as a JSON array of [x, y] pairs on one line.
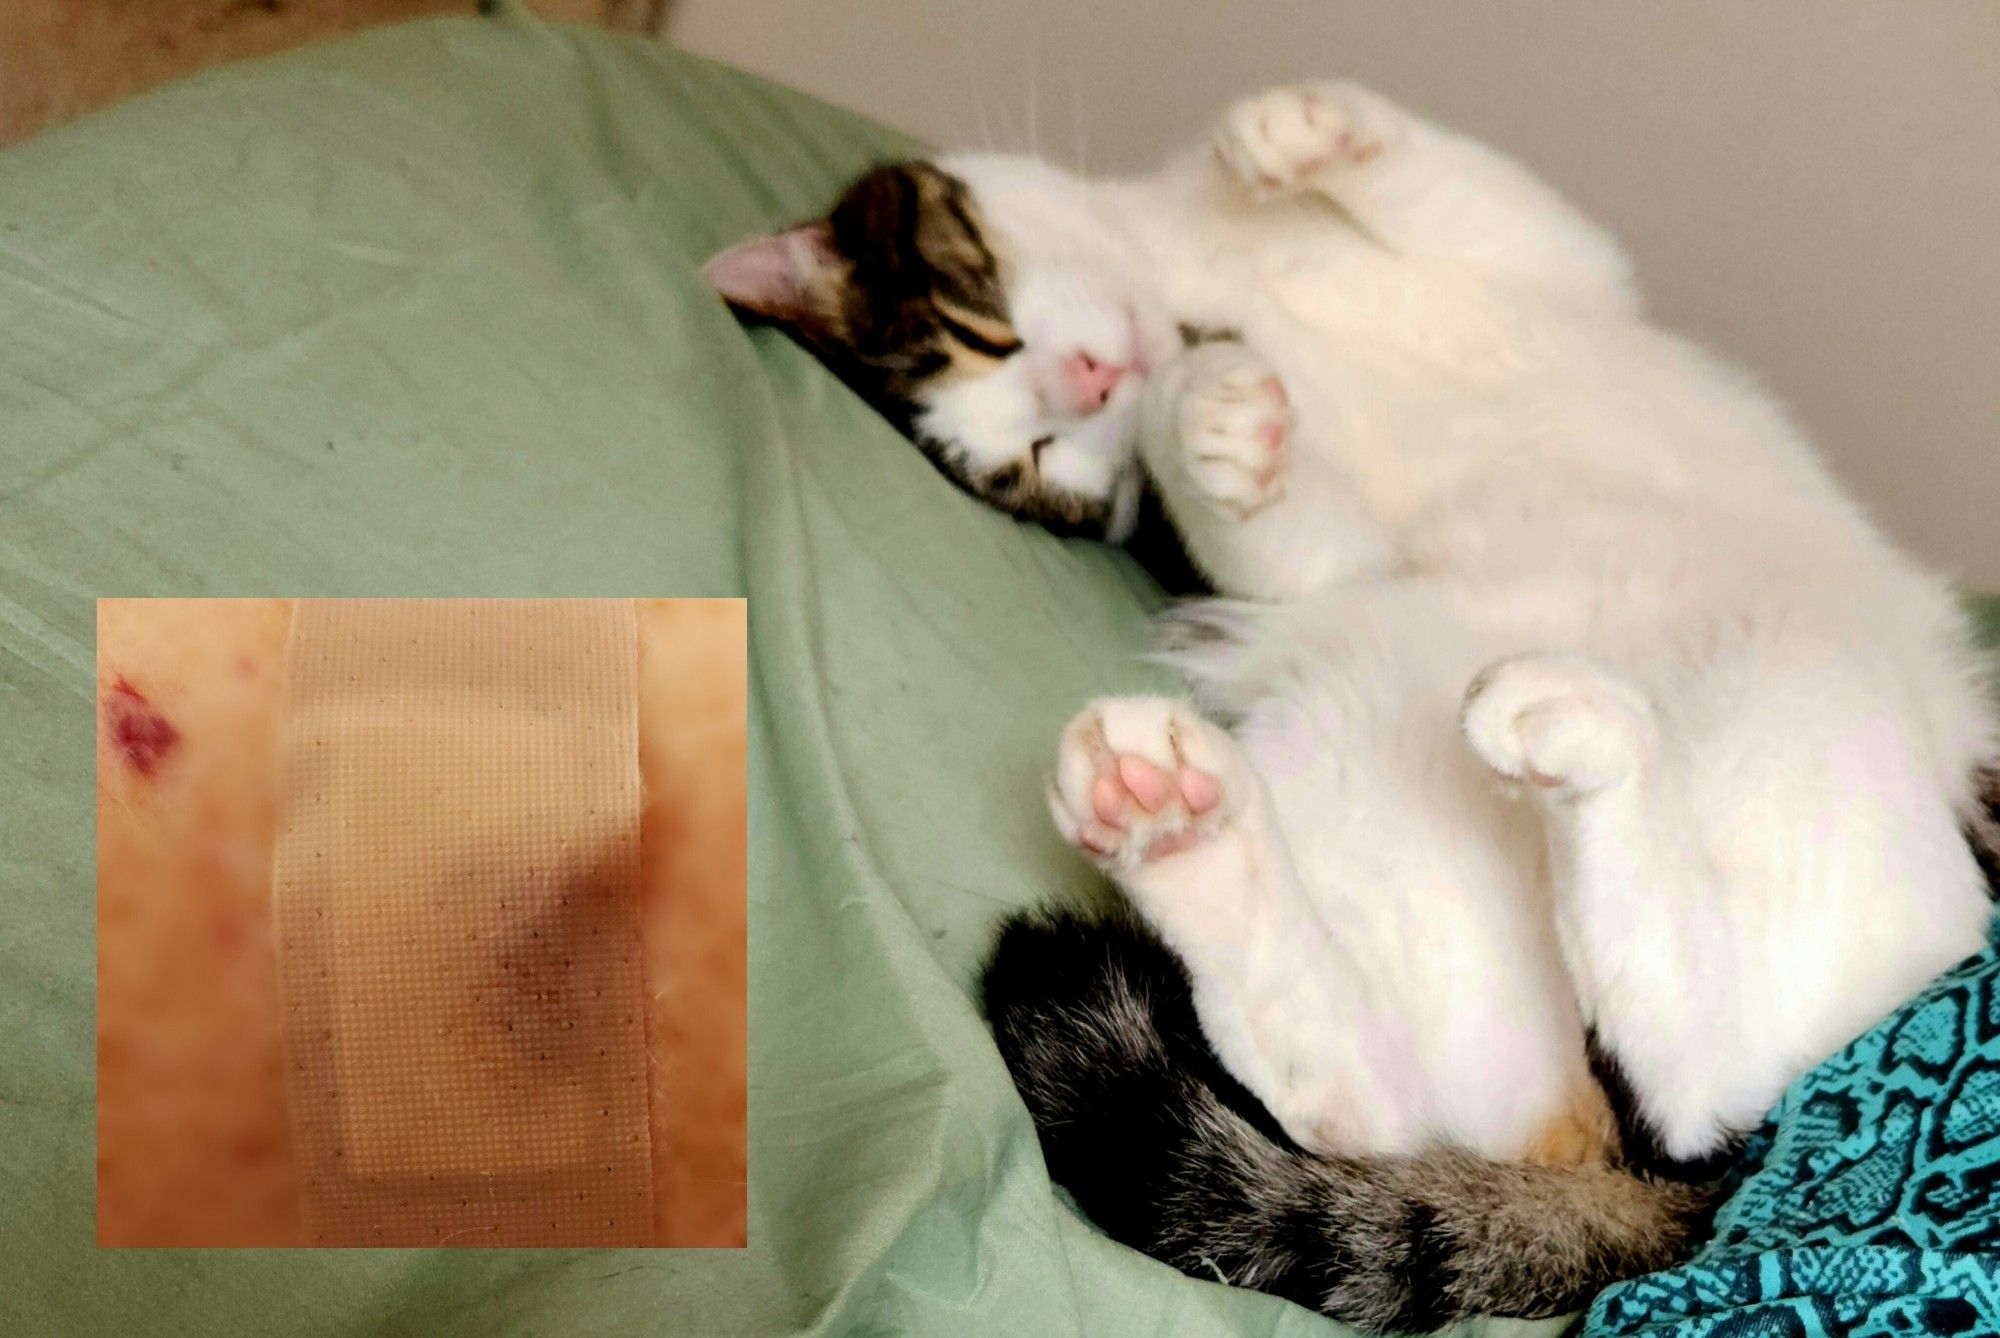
[[1448, 929], [1428, 882]]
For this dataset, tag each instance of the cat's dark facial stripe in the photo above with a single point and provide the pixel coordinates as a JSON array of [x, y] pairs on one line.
[[1193, 335], [994, 341]]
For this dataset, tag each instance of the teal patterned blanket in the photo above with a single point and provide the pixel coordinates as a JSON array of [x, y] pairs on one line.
[[1869, 1202]]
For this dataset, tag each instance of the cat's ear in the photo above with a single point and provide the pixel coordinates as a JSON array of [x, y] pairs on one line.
[[779, 277]]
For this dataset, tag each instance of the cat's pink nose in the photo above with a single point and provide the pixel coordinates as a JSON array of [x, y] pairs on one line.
[[1091, 381]]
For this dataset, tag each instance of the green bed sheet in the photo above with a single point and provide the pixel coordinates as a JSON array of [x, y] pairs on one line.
[[418, 312]]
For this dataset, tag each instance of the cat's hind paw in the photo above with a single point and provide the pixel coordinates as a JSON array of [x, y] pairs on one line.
[[1558, 723], [1236, 430], [1141, 778], [1285, 139]]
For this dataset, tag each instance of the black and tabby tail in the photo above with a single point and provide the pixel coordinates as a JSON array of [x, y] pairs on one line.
[[1171, 1155]]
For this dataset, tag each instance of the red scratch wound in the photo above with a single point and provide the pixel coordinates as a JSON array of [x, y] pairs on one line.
[[138, 731]]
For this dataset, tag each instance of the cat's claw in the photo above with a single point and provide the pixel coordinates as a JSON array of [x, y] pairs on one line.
[[1236, 430], [1559, 724], [1283, 140], [1140, 778]]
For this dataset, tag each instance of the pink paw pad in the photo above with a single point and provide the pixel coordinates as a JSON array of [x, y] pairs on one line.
[[1152, 787], [1202, 791], [1131, 779]]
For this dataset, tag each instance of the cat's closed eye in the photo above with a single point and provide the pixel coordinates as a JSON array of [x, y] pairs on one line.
[[983, 335]]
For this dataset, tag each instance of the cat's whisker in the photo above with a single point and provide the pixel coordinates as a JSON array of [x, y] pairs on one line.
[[1079, 144], [1034, 120], [985, 127]]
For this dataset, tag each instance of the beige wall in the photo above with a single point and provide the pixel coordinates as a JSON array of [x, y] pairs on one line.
[[1810, 186]]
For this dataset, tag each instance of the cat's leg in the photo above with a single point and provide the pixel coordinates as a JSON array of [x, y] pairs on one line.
[[1265, 515], [1167, 805], [1639, 912], [1420, 189], [1732, 903]]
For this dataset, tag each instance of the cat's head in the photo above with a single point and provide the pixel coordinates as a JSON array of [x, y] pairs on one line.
[[965, 314]]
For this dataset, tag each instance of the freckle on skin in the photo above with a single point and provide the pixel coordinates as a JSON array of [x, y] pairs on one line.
[[141, 733]]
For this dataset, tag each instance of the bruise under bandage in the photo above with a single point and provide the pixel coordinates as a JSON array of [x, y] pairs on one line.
[[455, 896]]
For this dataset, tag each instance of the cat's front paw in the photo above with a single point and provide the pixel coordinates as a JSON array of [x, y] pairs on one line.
[[1236, 430], [1558, 723], [1141, 778], [1287, 138]]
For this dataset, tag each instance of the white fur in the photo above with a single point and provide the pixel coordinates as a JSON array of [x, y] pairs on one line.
[[1573, 688]]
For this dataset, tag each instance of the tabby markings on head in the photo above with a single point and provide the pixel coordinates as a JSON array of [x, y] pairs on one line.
[[899, 290]]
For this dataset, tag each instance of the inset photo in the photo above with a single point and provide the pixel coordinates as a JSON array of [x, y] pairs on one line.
[[420, 922]]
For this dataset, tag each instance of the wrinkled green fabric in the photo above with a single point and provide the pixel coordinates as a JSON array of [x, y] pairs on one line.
[[417, 313]]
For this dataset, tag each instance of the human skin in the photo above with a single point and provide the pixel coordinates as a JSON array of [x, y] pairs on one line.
[[193, 1139]]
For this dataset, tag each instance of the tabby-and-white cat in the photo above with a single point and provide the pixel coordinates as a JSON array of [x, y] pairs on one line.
[[1571, 706]]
